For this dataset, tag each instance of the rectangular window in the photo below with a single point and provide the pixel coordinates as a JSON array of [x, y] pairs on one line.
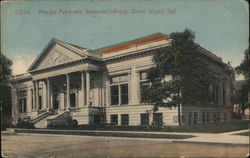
[[190, 118], [224, 93], [195, 118], [124, 119], [157, 118], [214, 116], [203, 118], [207, 117], [114, 95], [216, 95], [119, 90], [218, 116], [225, 116], [124, 94], [144, 86], [144, 119], [114, 119]]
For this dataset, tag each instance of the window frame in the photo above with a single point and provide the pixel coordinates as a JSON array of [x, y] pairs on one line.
[[143, 81], [144, 123], [119, 85], [158, 118], [114, 122], [124, 119], [195, 118]]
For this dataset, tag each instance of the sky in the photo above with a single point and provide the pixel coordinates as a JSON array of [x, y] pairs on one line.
[[220, 26]]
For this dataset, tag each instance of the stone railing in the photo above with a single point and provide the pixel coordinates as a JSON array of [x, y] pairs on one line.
[[40, 117]]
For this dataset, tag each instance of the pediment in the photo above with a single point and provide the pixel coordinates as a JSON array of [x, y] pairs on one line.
[[54, 55]]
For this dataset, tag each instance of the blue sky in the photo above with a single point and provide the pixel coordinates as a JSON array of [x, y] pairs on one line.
[[221, 26]]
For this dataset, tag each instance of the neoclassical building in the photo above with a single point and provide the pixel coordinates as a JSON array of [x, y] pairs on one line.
[[104, 86]]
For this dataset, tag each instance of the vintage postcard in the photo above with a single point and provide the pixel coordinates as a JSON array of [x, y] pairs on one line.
[[124, 78]]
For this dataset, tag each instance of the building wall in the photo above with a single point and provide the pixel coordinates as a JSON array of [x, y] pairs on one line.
[[100, 94], [224, 115], [135, 112]]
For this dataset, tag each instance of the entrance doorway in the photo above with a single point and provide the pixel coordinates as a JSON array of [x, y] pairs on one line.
[[55, 101], [73, 100]]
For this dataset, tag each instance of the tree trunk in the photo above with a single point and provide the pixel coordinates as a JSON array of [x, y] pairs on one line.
[[179, 112], [179, 115]]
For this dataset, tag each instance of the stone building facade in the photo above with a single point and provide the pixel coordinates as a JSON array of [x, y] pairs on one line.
[[105, 86]]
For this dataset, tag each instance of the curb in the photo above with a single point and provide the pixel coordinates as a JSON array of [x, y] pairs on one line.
[[210, 143], [105, 134]]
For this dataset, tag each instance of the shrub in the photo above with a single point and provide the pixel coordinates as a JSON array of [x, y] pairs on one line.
[[4, 126], [74, 123], [157, 124], [24, 124]]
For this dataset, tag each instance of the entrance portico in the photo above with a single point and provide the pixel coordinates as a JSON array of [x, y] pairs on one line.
[[61, 77], [62, 92]]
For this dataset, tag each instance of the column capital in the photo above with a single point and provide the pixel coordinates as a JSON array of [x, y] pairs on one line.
[[67, 74], [82, 71], [87, 71]]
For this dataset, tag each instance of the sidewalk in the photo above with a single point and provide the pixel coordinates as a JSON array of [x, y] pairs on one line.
[[221, 138], [224, 138]]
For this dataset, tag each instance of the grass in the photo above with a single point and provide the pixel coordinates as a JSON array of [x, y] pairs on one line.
[[106, 134], [208, 128]]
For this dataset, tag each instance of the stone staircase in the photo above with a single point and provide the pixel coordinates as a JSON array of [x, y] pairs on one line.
[[40, 117], [59, 118]]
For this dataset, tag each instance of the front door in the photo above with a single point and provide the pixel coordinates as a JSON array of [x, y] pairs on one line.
[[55, 101], [73, 100]]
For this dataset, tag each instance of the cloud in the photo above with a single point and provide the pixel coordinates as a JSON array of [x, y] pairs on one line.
[[21, 60], [21, 64]]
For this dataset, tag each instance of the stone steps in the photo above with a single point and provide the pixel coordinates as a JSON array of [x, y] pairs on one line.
[[60, 118]]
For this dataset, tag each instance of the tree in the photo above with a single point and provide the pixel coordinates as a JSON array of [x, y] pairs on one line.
[[5, 93], [243, 68], [188, 72], [244, 94]]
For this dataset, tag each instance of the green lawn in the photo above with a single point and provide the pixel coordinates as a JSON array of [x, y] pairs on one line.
[[209, 128]]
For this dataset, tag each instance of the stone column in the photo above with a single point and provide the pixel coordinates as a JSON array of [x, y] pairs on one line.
[[37, 94], [29, 100], [44, 96], [34, 96], [87, 87], [119, 96], [68, 88], [48, 94], [133, 82], [83, 89]]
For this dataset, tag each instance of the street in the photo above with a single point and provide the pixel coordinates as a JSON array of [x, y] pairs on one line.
[[65, 146]]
